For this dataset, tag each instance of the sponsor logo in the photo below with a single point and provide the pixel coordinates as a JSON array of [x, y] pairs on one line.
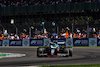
[[0, 43], [5, 43], [69, 42], [92, 42], [43, 54], [61, 54], [15, 42], [99, 42], [34, 42], [25, 42], [81, 42], [46, 43]]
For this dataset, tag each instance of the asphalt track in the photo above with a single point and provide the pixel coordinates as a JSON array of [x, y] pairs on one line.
[[80, 56]]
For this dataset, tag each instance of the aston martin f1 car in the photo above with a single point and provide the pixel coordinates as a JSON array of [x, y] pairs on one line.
[[55, 49]]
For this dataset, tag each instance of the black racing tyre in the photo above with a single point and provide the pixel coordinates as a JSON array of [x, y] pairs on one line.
[[66, 51], [38, 53], [70, 53], [67, 56]]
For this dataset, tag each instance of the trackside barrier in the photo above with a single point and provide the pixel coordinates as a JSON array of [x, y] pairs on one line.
[[0, 42], [69, 42], [15, 43], [80, 42], [5, 43], [25, 42], [98, 42], [36, 42], [46, 42], [93, 42]]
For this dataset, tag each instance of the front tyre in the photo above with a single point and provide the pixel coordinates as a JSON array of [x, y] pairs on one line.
[[66, 50]]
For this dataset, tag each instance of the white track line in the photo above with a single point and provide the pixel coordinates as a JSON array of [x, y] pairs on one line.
[[11, 55]]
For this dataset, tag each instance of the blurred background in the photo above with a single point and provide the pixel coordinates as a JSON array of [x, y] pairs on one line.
[[36, 19]]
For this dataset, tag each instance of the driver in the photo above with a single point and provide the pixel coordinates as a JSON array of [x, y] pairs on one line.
[[53, 47]]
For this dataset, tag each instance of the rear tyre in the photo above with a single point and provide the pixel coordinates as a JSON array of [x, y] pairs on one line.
[[66, 51], [38, 52], [70, 53]]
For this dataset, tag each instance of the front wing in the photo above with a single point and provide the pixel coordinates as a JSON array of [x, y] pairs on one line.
[[48, 54], [57, 55]]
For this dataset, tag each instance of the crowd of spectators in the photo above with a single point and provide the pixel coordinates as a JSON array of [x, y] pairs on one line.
[[13, 36], [64, 33], [4, 3], [67, 33]]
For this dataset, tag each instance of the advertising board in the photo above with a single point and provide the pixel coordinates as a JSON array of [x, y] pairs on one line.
[[47, 41], [15, 43], [5, 42], [36, 42], [26, 42], [0, 42], [69, 42], [98, 42], [93, 42], [80, 42]]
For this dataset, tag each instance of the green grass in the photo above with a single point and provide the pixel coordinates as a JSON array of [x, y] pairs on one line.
[[96, 65]]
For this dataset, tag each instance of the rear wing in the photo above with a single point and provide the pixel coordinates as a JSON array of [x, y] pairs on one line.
[[59, 43]]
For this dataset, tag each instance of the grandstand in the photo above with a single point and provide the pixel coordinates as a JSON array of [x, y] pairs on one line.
[[28, 16]]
